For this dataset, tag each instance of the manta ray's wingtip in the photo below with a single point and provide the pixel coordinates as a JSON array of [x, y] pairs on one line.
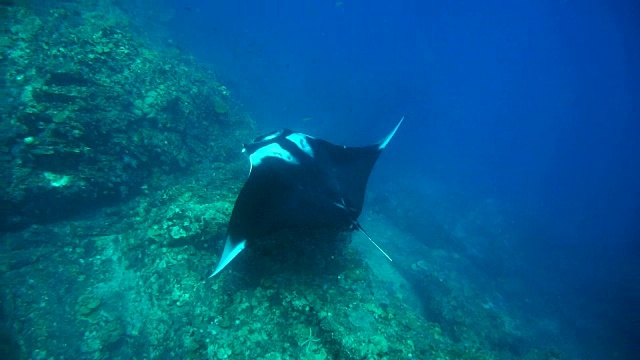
[[387, 138], [231, 250]]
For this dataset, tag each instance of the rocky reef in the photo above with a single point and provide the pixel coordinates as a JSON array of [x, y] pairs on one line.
[[93, 113]]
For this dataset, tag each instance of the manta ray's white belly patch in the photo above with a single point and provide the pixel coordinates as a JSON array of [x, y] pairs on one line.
[[272, 150], [300, 140]]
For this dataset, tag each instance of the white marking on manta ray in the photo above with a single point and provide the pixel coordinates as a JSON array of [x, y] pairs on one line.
[[300, 140], [271, 150], [386, 140], [343, 205], [269, 137], [230, 251]]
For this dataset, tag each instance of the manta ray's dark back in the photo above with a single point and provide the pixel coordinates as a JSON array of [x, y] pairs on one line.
[[298, 181]]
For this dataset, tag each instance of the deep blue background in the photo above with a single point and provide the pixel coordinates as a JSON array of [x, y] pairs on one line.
[[532, 102]]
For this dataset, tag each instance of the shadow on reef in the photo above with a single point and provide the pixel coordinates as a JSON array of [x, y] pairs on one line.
[[8, 346], [442, 304], [38, 209], [291, 254]]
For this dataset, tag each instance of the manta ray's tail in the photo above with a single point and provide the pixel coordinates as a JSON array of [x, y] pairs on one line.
[[357, 224]]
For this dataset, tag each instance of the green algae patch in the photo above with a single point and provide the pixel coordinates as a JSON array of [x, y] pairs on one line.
[[57, 180]]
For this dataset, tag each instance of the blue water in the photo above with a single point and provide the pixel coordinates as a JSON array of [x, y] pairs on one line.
[[531, 103]]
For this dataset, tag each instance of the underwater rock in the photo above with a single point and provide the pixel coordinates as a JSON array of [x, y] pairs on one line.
[[360, 318], [220, 105], [87, 305], [102, 111]]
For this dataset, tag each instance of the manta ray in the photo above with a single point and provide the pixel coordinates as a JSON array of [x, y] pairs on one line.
[[299, 181]]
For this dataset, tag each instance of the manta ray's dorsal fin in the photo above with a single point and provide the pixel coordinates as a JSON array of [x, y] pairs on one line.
[[357, 224], [383, 143]]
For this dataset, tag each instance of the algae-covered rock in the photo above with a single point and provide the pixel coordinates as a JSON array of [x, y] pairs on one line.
[[220, 105], [87, 306]]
